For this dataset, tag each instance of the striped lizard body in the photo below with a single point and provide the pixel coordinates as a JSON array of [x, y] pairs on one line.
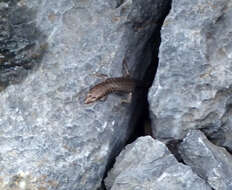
[[120, 84]]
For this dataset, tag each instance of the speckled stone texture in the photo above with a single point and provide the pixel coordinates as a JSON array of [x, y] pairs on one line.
[[148, 164], [22, 44], [49, 138], [209, 161], [193, 85]]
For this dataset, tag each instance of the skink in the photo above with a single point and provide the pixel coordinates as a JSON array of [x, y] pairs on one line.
[[120, 84]]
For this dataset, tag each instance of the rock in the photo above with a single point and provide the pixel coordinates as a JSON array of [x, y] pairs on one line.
[[148, 164], [22, 44], [192, 88], [212, 163], [49, 138]]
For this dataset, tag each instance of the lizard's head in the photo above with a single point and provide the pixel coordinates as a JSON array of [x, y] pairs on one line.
[[92, 96]]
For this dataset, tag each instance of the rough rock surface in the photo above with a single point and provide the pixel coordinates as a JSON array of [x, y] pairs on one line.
[[148, 164], [49, 139], [193, 85], [22, 45], [209, 161]]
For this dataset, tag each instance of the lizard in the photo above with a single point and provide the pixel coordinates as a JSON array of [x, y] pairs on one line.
[[110, 85], [118, 84]]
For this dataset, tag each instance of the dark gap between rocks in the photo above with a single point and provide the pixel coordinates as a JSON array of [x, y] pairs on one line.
[[173, 147], [140, 120]]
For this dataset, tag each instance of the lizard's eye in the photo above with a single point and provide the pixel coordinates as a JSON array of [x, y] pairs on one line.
[[92, 96]]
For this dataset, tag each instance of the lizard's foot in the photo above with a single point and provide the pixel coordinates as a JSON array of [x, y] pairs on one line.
[[103, 99], [125, 70], [128, 100]]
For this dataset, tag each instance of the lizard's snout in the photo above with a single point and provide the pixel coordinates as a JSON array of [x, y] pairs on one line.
[[90, 98]]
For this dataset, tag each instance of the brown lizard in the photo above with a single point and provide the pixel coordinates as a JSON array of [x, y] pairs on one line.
[[120, 84]]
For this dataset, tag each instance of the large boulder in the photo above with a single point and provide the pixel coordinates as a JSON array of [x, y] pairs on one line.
[[49, 138], [193, 85], [148, 164], [212, 163]]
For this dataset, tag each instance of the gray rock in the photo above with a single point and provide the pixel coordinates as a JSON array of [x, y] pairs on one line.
[[148, 164], [22, 44], [192, 88], [209, 161], [49, 138]]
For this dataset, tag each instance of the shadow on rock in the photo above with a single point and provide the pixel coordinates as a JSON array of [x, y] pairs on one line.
[[22, 44]]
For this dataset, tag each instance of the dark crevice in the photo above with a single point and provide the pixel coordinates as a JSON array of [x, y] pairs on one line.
[[103, 187], [173, 147], [140, 121]]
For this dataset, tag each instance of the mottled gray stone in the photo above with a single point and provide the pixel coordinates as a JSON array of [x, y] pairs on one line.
[[22, 44], [148, 164], [49, 138], [209, 161], [193, 85]]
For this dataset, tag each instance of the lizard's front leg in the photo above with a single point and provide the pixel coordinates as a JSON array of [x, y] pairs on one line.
[[125, 70], [128, 99]]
